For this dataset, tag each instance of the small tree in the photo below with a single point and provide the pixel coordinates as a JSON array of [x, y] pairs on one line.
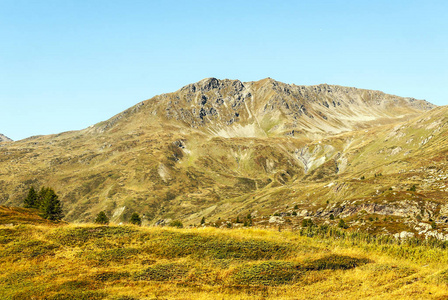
[[135, 219], [331, 217], [31, 199], [342, 224], [203, 221], [101, 218], [49, 205]]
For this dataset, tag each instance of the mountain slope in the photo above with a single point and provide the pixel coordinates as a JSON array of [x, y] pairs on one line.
[[222, 148]]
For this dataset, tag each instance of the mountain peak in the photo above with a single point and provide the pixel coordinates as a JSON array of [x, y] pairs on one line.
[[208, 84]]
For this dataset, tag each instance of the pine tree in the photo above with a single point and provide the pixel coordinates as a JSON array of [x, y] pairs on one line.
[[49, 205], [41, 196], [101, 218], [31, 199], [135, 219], [203, 220]]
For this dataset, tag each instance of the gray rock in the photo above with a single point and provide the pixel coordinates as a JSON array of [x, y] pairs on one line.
[[4, 138]]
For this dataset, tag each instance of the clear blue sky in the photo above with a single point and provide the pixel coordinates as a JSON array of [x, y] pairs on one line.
[[65, 65]]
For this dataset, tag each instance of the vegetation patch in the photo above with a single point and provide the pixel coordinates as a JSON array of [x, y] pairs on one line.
[[28, 249], [113, 255], [78, 236], [176, 244], [164, 272], [79, 295], [336, 262], [111, 276], [268, 273]]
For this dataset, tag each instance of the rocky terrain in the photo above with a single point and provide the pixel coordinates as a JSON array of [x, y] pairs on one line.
[[4, 138], [220, 149]]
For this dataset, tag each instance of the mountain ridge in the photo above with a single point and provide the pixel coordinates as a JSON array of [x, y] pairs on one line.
[[207, 103], [161, 158]]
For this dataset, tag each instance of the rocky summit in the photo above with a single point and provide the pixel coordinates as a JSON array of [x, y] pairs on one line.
[[220, 149]]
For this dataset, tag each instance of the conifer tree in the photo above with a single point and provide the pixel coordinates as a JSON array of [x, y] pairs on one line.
[[31, 199], [49, 204], [101, 218]]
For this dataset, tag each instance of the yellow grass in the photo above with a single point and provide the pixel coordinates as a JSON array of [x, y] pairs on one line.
[[129, 262]]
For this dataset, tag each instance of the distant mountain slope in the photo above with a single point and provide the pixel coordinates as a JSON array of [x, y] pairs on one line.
[[4, 138], [222, 148]]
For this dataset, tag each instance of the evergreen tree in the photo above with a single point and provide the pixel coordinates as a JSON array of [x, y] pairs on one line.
[[31, 199], [101, 218], [43, 192], [203, 220], [49, 205], [135, 219]]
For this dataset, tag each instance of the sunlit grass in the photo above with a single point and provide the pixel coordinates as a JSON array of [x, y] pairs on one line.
[[130, 262]]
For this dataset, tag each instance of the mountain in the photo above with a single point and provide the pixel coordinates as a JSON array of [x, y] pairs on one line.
[[4, 138], [224, 148]]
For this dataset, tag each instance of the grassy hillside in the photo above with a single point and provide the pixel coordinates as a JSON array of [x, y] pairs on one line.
[[222, 148], [128, 262]]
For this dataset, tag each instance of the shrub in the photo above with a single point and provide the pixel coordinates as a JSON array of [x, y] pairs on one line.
[[176, 223], [331, 217], [135, 219], [342, 224], [101, 218], [307, 223]]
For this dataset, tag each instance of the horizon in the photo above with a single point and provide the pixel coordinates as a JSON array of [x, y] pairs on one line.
[[69, 65]]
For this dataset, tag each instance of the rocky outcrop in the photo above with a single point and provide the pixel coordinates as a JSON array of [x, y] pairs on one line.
[[4, 138]]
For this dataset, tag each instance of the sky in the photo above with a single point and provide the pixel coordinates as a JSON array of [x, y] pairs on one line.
[[65, 65]]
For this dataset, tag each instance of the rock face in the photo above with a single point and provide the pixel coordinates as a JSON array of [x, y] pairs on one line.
[[4, 138]]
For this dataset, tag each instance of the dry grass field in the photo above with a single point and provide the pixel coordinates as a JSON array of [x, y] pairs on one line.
[[60, 261]]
